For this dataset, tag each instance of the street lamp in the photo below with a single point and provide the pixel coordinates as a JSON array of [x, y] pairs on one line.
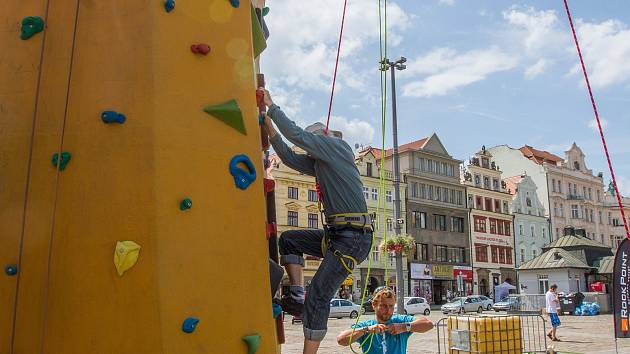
[[399, 64]]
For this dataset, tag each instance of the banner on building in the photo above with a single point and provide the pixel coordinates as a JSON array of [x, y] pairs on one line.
[[442, 271], [421, 271], [621, 290]]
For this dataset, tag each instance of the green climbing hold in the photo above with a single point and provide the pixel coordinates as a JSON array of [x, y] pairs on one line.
[[253, 341], [30, 26], [65, 158], [229, 113], [258, 36], [265, 11], [185, 204]]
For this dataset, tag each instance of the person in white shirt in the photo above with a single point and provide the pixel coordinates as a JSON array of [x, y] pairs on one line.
[[551, 298]]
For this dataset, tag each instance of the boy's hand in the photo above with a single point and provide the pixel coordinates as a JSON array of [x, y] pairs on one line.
[[268, 126], [377, 328], [396, 328], [267, 97]]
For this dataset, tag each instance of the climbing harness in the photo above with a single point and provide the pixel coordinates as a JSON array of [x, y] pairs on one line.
[[356, 221], [599, 125]]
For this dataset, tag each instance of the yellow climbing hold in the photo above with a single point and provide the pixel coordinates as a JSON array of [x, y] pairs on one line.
[[126, 255]]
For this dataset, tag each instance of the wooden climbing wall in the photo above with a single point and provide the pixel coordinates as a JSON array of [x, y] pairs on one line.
[[125, 181]]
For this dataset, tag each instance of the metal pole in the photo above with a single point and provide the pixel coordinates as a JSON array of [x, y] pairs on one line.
[[400, 283]]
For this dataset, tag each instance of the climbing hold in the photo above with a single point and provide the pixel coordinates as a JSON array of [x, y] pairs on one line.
[[30, 26], [169, 5], [235, 3], [271, 229], [126, 255], [200, 48], [276, 310], [261, 118], [190, 324], [258, 35], [65, 158], [265, 11], [185, 204], [229, 113], [11, 269], [253, 341], [242, 178], [113, 117], [269, 185]]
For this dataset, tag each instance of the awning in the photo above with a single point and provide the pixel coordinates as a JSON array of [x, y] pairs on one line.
[[347, 282]]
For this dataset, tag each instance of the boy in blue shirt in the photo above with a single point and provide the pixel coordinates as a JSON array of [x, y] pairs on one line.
[[395, 329]]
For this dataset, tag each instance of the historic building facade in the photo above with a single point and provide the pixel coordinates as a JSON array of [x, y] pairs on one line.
[[491, 235], [571, 194], [437, 219], [531, 226]]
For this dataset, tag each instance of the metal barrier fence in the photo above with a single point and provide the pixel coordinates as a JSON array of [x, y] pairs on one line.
[[496, 334]]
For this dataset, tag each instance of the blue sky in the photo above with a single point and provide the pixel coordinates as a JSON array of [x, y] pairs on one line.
[[478, 73]]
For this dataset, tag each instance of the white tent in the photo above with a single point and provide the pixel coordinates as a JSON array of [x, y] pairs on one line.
[[502, 290]]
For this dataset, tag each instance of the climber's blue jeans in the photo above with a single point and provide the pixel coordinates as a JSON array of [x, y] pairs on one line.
[[331, 273]]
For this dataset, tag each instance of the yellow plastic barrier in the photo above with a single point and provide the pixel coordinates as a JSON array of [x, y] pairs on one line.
[[497, 334]]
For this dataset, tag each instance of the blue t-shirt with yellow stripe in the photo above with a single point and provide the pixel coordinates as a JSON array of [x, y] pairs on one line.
[[395, 344]]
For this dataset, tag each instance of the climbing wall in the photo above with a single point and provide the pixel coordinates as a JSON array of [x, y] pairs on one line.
[[117, 89]]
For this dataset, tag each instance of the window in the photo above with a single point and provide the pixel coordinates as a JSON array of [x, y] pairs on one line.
[[506, 225], [488, 204], [366, 193], [480, 224], [292, 218], [451, 196], [528, 201], [440, 222], [430, 165], [440, 253], [574, 188], [445, 195], [423, 191], [543, 283], [368, 171], [493, 226], [569, 188], [520, 229], [293, 193], [497, 206], [598, 196], [481, 253], [375, 253], [609, 218], [508, 255], [422, 251], [591, 214], [506, 208], [486, 182], [388, 196], [419, 219], [600, 217], [423, 164], [495, 184], [555, 209], [374, 194], [501, 252], [451, 170], [584, 192], [561, 210], [438, 193], [479, 201], [590, 194], [414, 189], [533, 230], [574, 212], [313, 221], [522, 255], [456, 255], [494, 253], [534, 253], [460, 198], [500, 227], [559, 187], [457, 224], [544, 231], [430, 192], [312, 195], [477, 181], [485, 163], [553, 185]]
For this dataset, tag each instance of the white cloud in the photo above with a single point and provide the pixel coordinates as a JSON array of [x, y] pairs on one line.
[[606, 49], [536, 69], [539, 29], [302, 46], [448, 70], [593, 124], [447, 2], [354, 131]]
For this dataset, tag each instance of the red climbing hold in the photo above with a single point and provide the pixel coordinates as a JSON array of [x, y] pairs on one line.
[[271, 229], [200, 48], [270, 185]]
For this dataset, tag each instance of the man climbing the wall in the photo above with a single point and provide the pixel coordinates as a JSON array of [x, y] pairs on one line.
[[394, 329], [347, 238]]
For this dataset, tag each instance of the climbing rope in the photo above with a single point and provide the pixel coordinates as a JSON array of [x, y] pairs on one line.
[[599, 125], [332, 92]]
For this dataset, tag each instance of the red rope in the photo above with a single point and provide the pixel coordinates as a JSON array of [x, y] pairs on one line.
[[601, 132], [332, 93]]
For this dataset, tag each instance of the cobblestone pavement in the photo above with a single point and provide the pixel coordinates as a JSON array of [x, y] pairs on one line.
[[578, 334]]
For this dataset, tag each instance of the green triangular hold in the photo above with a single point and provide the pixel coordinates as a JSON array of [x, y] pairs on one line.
[[265, 11], [258, 36], [253, 341], [229, 113]]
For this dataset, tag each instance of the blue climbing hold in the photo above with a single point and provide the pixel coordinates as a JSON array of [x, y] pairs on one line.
[[261, 118], [113, 117], [276, 309], [11, 269], [169, 5], [235, 3], [242, 178], [65, 158], [190, 324]]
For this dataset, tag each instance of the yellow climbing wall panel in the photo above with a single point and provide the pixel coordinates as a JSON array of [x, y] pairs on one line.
[[125, 181]]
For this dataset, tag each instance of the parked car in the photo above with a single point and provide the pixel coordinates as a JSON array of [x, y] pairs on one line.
[[464, 304], [415, 305], [486, 301], [367, 305], [506, 304], [340, 308]]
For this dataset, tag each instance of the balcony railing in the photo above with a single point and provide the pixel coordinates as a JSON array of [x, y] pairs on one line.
[[575, 197]]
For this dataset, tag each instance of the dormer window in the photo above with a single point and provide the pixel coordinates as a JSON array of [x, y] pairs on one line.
[[528, 201], [576, 165], [485, 163]]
